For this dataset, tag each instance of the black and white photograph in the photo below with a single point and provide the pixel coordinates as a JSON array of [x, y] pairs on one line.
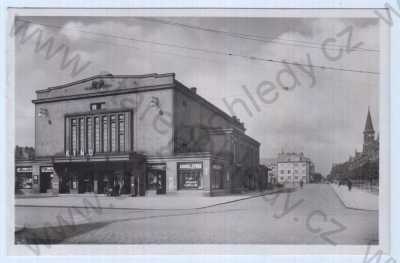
[[198, 128]]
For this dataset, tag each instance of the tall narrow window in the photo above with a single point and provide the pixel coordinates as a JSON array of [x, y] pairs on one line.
[[121, 132], [89, 145], [113, 133], [74, 136], [82, 135], [105, 134], [96, 134]]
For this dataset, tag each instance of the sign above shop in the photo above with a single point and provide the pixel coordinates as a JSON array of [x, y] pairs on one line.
[[24, 169], [217, 167], [190, 166], [157, 166], [47, 169]]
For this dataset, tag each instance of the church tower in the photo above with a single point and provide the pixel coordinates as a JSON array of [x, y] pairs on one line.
[[369, 135]]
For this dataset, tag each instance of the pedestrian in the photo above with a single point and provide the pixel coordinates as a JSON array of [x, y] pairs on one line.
[[117, 189], [349, 184], [301, 184]]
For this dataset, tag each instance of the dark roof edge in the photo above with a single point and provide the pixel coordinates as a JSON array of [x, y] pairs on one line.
[[155, 75], [104, 93], [211, 106]]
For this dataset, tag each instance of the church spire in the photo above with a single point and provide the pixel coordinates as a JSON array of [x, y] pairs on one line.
[[368, 123]]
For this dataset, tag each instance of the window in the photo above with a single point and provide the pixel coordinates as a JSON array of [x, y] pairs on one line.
[[97, 106], [74, 136], [121, 132], [282, 171], [105, 134], [288, 171], [96, 134], [113, 133], [82, 135], [89, 135]]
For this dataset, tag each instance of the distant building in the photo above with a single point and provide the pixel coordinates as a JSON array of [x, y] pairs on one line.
[[363, 166], [293, 168], [290, 168]]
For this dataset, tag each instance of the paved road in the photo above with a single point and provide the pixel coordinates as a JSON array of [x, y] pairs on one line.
[[312, 215]]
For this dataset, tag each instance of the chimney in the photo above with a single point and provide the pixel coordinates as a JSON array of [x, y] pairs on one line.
[[193, 89]]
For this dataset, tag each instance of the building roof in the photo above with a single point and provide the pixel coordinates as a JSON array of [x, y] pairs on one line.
[[368, 123]]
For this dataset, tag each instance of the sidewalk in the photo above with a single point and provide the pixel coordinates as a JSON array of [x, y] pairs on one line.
[[356, 198], [173, 201]]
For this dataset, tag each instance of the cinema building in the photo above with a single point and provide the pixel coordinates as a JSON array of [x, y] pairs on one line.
[[146, 134]]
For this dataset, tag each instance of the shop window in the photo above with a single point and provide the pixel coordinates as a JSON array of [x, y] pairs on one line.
[[23, 178], [189, 175]]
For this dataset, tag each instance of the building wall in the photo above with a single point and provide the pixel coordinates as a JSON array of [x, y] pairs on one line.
[[293, 172], [152, 132], [192, 119]]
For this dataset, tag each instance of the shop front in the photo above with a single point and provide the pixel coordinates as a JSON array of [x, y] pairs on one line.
[[101, 177], [190, 175], [23, 179]]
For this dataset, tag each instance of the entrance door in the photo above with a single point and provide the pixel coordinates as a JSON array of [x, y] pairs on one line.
[[156, 179], [45, 182], [85, 184], [161, 182]]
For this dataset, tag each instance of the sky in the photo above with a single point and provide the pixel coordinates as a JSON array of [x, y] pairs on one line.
[[320, 112]]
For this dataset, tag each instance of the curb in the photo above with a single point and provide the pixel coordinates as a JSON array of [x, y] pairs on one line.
[[350, 207], [111, 207]]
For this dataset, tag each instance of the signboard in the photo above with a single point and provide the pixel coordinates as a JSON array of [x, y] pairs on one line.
[[47, 169], [217, 167], [24, 169], [156, 166], [190, 166]]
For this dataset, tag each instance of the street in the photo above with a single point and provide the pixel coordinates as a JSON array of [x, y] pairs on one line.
[[311, 215]]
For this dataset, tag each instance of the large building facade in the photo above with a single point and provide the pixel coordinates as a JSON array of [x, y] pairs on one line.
[[137, 134]]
